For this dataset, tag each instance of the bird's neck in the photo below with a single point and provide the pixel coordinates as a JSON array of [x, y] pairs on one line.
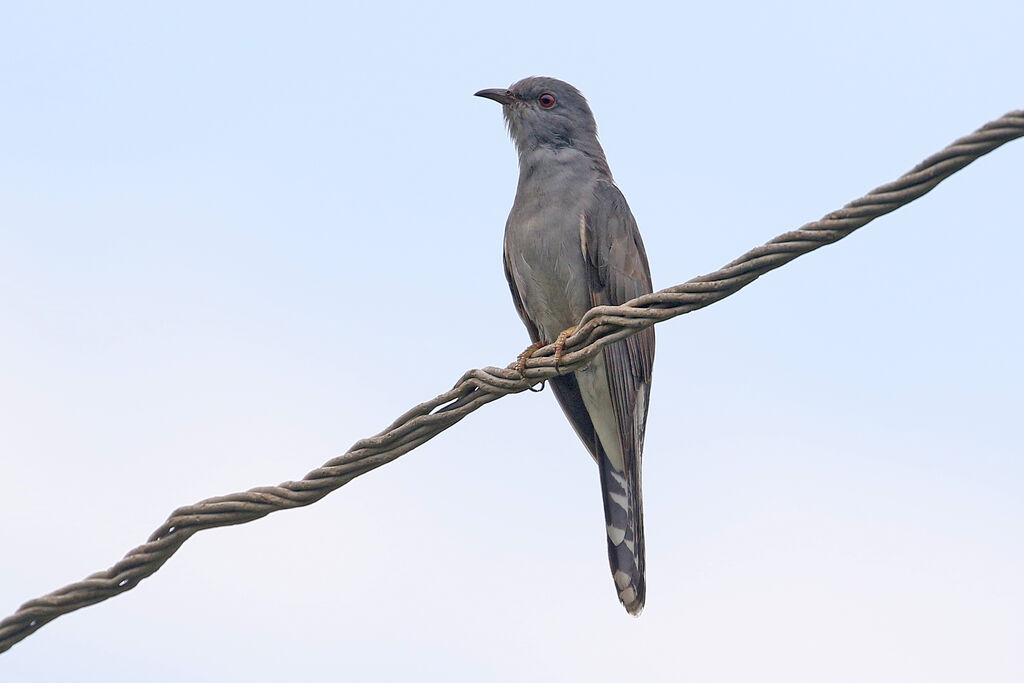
[[540, 163]]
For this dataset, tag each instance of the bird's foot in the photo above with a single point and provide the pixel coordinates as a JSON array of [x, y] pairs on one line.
[[560, 344], [525, 356]]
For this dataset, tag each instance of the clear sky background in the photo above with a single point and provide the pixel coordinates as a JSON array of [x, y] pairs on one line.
[[236, 237]]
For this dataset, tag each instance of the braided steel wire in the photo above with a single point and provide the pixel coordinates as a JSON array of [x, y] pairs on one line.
[[600, 326]]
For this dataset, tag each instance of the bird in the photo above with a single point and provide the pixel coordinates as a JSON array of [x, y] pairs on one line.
[[571, 243]]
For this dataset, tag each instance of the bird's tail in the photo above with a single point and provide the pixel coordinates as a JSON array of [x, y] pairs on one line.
[[624, 517]]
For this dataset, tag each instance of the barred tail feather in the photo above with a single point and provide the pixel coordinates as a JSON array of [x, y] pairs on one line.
[[624, 519]]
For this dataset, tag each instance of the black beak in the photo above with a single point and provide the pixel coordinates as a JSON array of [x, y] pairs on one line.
[[499, 95]]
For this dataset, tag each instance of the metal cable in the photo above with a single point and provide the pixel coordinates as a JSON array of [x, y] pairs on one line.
[[600, 326]]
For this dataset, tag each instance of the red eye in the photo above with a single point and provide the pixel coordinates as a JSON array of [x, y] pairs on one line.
[[547, 100]]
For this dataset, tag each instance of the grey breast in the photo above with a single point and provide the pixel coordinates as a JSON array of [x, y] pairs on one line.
[[543, 239]]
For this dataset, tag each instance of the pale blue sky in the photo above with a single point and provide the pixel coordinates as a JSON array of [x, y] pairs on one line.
[[236, 237]]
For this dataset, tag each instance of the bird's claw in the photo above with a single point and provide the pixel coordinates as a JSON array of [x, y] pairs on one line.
[[560, 344], [520, 365], [524, 356]]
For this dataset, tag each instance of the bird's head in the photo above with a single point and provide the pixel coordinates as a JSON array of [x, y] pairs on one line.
[[546, 112]]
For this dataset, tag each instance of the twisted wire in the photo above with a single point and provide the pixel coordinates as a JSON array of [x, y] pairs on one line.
[[600, 326]]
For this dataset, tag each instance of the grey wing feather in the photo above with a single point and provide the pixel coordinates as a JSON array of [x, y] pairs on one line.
[[620, 272]]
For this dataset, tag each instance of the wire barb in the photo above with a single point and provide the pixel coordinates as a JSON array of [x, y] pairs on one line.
[[600, 326]]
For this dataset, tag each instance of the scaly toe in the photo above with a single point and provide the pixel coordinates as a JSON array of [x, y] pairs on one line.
[[560, 344], [525, 356]]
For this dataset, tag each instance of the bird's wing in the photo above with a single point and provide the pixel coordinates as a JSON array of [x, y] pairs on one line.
[[619, 272]]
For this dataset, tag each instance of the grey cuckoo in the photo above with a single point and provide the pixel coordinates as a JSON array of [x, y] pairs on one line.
[[572, 243]]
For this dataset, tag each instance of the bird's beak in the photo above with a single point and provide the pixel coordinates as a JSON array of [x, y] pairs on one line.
[[499, 95]]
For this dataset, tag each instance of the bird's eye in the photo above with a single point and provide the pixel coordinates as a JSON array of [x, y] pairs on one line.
[[547, 100]]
